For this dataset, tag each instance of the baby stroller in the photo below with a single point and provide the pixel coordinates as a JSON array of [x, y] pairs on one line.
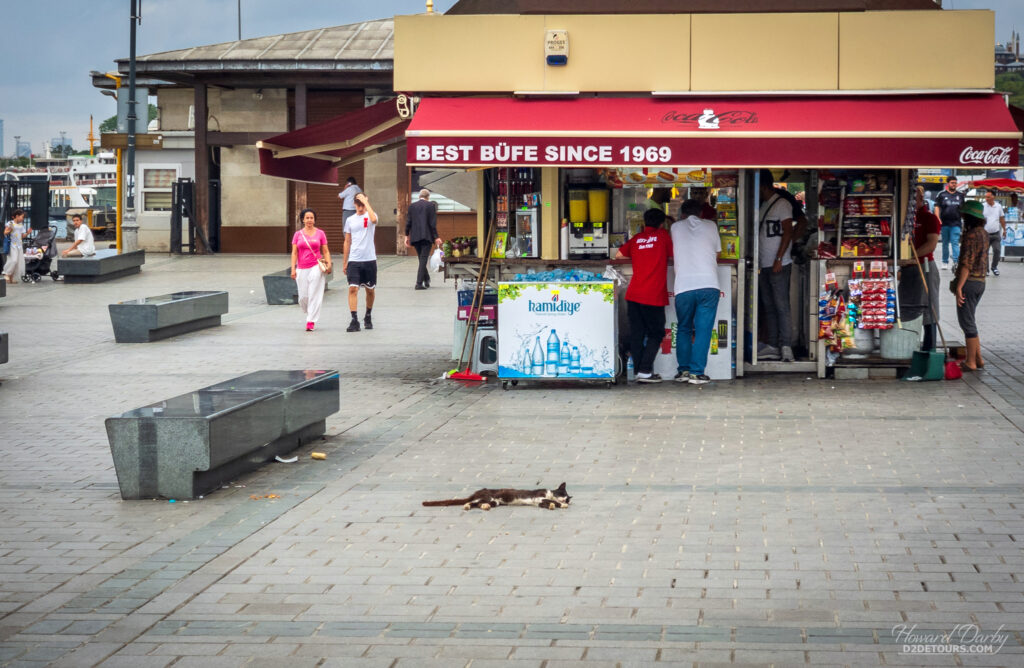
[[40, 249]]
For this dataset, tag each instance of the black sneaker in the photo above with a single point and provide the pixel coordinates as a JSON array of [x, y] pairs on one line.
[[367, 323], [702, 379], [682, 377], [645, 378], [353, 326]]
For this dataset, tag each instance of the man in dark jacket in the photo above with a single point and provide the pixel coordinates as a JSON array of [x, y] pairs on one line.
[[421, 234]]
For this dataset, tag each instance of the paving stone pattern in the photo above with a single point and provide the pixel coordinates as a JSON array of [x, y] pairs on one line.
[[766, 521]]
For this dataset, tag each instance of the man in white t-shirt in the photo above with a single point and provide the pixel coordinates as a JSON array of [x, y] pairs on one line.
[[995, 225], [775, 234], [348, 198], [84, 245], [695, 248], [360, 260]]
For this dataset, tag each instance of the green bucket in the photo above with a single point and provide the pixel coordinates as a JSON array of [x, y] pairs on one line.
[[927, 365]]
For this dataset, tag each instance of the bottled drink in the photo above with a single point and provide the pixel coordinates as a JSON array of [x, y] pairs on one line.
[[563, 358], [537, 360], [526, 365], [551, 361], [714, 342], [630, 369], [574, 360]]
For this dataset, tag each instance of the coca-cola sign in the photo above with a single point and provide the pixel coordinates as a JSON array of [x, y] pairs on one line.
[[707, 119], [997, 155]]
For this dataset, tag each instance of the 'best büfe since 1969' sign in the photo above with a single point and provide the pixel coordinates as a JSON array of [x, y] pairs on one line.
[[714, 151]]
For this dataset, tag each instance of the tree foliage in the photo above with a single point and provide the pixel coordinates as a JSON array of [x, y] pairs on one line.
[[110, 125], [1013, 84]]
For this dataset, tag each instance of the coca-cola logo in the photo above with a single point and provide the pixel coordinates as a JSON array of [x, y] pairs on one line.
[[997, 155], [704, 119]]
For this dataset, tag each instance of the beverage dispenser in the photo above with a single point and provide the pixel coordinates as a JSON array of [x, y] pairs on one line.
[[589, 218]]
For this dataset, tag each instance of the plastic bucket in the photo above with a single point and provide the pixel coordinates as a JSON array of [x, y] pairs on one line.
[[901, 344]]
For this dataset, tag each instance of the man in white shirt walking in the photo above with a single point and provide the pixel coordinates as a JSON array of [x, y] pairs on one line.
[[695, 248], [84, 245], [995, 225], [348, 198], [360, 260]]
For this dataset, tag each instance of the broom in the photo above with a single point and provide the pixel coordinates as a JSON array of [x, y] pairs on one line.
[[950, 373], [474, 315]]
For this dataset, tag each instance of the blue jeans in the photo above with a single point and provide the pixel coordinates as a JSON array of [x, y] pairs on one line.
[[695, 311], [950, 235]]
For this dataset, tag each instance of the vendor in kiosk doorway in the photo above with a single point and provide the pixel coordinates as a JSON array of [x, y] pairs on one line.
[[947, 208], [775, 232]]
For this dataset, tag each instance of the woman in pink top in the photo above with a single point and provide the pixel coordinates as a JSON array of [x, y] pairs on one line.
[[308, 245]]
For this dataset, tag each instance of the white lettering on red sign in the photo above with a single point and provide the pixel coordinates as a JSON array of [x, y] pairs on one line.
[[443, 153], [997, 155]]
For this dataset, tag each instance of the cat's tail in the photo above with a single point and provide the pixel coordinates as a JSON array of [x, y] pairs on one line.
[[447, 502]]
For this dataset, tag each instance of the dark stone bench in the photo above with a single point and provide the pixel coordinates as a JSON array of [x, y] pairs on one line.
[[3, 287], [155, 318], [280, 287], [105, 265], [5, 340], [192, 444]]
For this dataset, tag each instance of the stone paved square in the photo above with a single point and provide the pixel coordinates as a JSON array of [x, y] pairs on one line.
[[778, 520]]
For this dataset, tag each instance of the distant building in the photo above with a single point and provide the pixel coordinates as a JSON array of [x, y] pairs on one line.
[[1007, 54], [2, 137], [23, 149], [57, 141]]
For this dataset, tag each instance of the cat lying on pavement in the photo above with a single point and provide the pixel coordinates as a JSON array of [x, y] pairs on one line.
[[485, 499]]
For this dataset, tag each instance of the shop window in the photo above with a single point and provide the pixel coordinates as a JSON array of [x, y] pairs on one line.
[[156, 188]]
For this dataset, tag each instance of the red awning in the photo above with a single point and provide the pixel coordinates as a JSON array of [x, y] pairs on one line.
[[725, 131], [314, 153], [999, 184]]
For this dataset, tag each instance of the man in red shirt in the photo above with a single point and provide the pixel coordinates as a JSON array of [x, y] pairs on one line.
[[913, 299], [647, 294]]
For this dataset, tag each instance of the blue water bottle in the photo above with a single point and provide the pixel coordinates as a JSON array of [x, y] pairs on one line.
[[537, 360], [574, 361], [551, 362]]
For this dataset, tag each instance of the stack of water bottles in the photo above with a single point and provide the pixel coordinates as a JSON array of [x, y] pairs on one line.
[[558, 276], [558, 360]]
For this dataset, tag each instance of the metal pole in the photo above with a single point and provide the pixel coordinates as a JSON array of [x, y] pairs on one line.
[[239, 20], [129, 227]]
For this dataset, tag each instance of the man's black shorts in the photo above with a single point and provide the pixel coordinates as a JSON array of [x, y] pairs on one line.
[[362, 274]]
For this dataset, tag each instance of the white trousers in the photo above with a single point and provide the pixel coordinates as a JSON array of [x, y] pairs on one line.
[[15, 265], [311, 283]]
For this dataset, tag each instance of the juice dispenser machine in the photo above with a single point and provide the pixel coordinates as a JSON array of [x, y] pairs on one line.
[[589, 223]]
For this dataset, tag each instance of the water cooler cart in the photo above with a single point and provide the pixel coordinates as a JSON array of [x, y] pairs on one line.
[[556, 331]]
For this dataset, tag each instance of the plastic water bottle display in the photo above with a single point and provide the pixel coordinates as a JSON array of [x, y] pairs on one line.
[[563, 359], [526, 364], [587, 363], [551, 363], [574, 360], [537, 360]]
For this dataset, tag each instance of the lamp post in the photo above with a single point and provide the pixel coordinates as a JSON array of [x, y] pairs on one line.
[[129, 226]]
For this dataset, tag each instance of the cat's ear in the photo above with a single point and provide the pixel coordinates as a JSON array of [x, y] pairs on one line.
[[561, 488]]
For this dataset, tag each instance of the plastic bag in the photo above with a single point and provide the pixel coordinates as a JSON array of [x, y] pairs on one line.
[[436, 261]]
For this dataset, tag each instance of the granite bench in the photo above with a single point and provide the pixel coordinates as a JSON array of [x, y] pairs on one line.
[[3, 287], [280, 287], [105, 265], [155, 318], [5, 341], [189, 445]]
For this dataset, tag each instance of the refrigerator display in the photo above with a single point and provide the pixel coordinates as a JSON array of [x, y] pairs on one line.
[[722, 355], [556, 330]]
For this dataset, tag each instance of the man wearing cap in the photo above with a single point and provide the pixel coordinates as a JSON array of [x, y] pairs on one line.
[[947, 208], [421, 234]]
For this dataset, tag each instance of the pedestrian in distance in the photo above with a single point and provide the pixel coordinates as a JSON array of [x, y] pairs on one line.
[[647, 294], [348, 198], [995, 227], [14, 230], [775, 230], [84, 245], [311, 262], [360, 260], [947, 207], [695, 245], [969, 282], [421, 234]]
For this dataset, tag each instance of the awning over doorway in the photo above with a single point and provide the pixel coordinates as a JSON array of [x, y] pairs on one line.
[[315, 153], [968, 130]]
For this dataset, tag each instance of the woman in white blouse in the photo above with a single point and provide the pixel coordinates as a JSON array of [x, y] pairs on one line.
[[14, 268]]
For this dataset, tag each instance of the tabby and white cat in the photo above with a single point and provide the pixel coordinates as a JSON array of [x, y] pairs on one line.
[[485, 499]]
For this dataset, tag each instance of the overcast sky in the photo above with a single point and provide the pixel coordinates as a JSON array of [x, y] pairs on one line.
[[45, 85]]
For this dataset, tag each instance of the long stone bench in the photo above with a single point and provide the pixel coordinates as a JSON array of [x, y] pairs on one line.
[[189, 445], [155, 318], [3, 287], [105, 265], [280, 287]]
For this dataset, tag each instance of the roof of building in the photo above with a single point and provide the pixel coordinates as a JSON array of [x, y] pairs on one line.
[[363, 53], [1015, 66], [680, 6]]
